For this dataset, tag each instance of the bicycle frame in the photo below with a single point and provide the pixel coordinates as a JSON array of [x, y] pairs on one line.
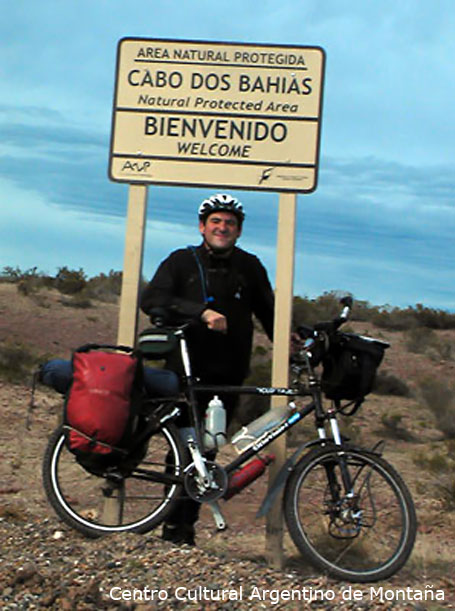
[[335, 494], [195, 444]]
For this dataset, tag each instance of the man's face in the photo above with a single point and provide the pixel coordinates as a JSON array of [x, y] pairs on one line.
[[220, 231]]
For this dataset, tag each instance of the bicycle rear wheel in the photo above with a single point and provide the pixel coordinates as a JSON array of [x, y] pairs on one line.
[[97, 506], [363, 537]]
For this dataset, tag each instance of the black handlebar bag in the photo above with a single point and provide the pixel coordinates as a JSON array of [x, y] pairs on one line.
[[102, 405], [350, 365]]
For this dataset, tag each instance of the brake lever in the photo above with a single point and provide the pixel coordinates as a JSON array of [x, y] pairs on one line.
[[345, 313]]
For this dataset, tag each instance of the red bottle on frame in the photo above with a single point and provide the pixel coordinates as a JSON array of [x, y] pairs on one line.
[[247, 474]]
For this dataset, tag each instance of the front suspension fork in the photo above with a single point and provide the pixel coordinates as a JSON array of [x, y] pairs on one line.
[[345, 475]]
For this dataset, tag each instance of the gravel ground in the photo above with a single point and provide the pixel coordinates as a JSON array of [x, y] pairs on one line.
[[47, 566]]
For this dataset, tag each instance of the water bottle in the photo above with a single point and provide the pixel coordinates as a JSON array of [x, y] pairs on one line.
[[248, 434], [215, 424], [247, 474]]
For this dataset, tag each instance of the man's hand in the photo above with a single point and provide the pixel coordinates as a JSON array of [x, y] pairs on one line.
[[214, 320]]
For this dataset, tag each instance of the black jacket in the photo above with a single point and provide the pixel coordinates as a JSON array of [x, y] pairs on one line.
[[188, 282]]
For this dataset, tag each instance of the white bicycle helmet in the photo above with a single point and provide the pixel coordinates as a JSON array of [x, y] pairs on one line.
[[222, 202]]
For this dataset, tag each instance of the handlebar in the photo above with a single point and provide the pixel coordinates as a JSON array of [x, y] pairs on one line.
[[329, 327], [317, 338], [160, 318]]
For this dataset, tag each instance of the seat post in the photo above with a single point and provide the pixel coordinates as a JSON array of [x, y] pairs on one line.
[[189, 386], [184, 353]]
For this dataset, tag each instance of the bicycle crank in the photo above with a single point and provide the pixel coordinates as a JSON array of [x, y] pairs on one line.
[[218, 516], [207, 489]]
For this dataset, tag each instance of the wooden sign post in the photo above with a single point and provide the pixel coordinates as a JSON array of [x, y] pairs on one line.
[[129, 308], [223, 114], [280, 362], [132, 265]]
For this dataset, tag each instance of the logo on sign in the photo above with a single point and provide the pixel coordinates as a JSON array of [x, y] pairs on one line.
[[136, 166], [265, 175]]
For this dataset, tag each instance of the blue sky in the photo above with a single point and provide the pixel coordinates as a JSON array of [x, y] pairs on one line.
[[382, 219]]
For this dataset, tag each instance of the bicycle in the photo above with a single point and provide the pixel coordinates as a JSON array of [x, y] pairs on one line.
[[347, 510]]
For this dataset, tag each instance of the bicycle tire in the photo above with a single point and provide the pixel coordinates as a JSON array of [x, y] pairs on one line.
[[362, 539], [81, 500]]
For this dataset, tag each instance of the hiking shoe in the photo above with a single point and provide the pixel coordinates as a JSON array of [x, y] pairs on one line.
[[180, 534]]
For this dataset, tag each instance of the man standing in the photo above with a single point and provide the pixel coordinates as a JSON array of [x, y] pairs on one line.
[[221, 286]]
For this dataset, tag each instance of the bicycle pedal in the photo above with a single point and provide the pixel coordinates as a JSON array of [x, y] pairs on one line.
[[218, 516]]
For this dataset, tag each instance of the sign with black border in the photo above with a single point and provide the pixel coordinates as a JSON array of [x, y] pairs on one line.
[[230, 115]]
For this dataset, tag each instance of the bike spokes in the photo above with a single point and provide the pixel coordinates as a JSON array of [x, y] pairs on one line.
[[359, 534]]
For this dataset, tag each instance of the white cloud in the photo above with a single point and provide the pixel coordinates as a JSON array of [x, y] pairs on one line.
[[382, 219], [37, 233]]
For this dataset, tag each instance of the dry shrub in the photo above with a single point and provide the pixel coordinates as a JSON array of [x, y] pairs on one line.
[[393, 427], [80, 301], [310, 311], [418, 340], [394, 319], [389, 384], [105, 287], [441, 464], [16, 362], [28, 282], [70, 281], [439, 397], [422, 340]]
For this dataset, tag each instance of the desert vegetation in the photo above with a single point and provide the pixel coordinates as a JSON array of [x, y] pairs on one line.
[[417, 321], [411, 412], [418, 335], [68, 282]]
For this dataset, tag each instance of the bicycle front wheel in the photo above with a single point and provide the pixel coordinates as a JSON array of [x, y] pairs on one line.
[[97, 506], [362, 535]]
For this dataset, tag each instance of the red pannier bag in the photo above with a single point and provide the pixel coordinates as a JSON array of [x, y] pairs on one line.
[[100, 405]]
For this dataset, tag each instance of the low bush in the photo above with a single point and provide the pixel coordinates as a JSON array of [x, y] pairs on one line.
[[105, 287], [77, 301], [418, 339], [28, 282], [439, 397], [10, 274], [327, 306], [16, 362], [432, 318], [70, 281], [396, 319], [441, 464], [394, 429], [309, 311], [422, 340], [389, 384]]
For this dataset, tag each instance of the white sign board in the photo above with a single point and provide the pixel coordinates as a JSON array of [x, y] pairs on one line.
[[217, 114]]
